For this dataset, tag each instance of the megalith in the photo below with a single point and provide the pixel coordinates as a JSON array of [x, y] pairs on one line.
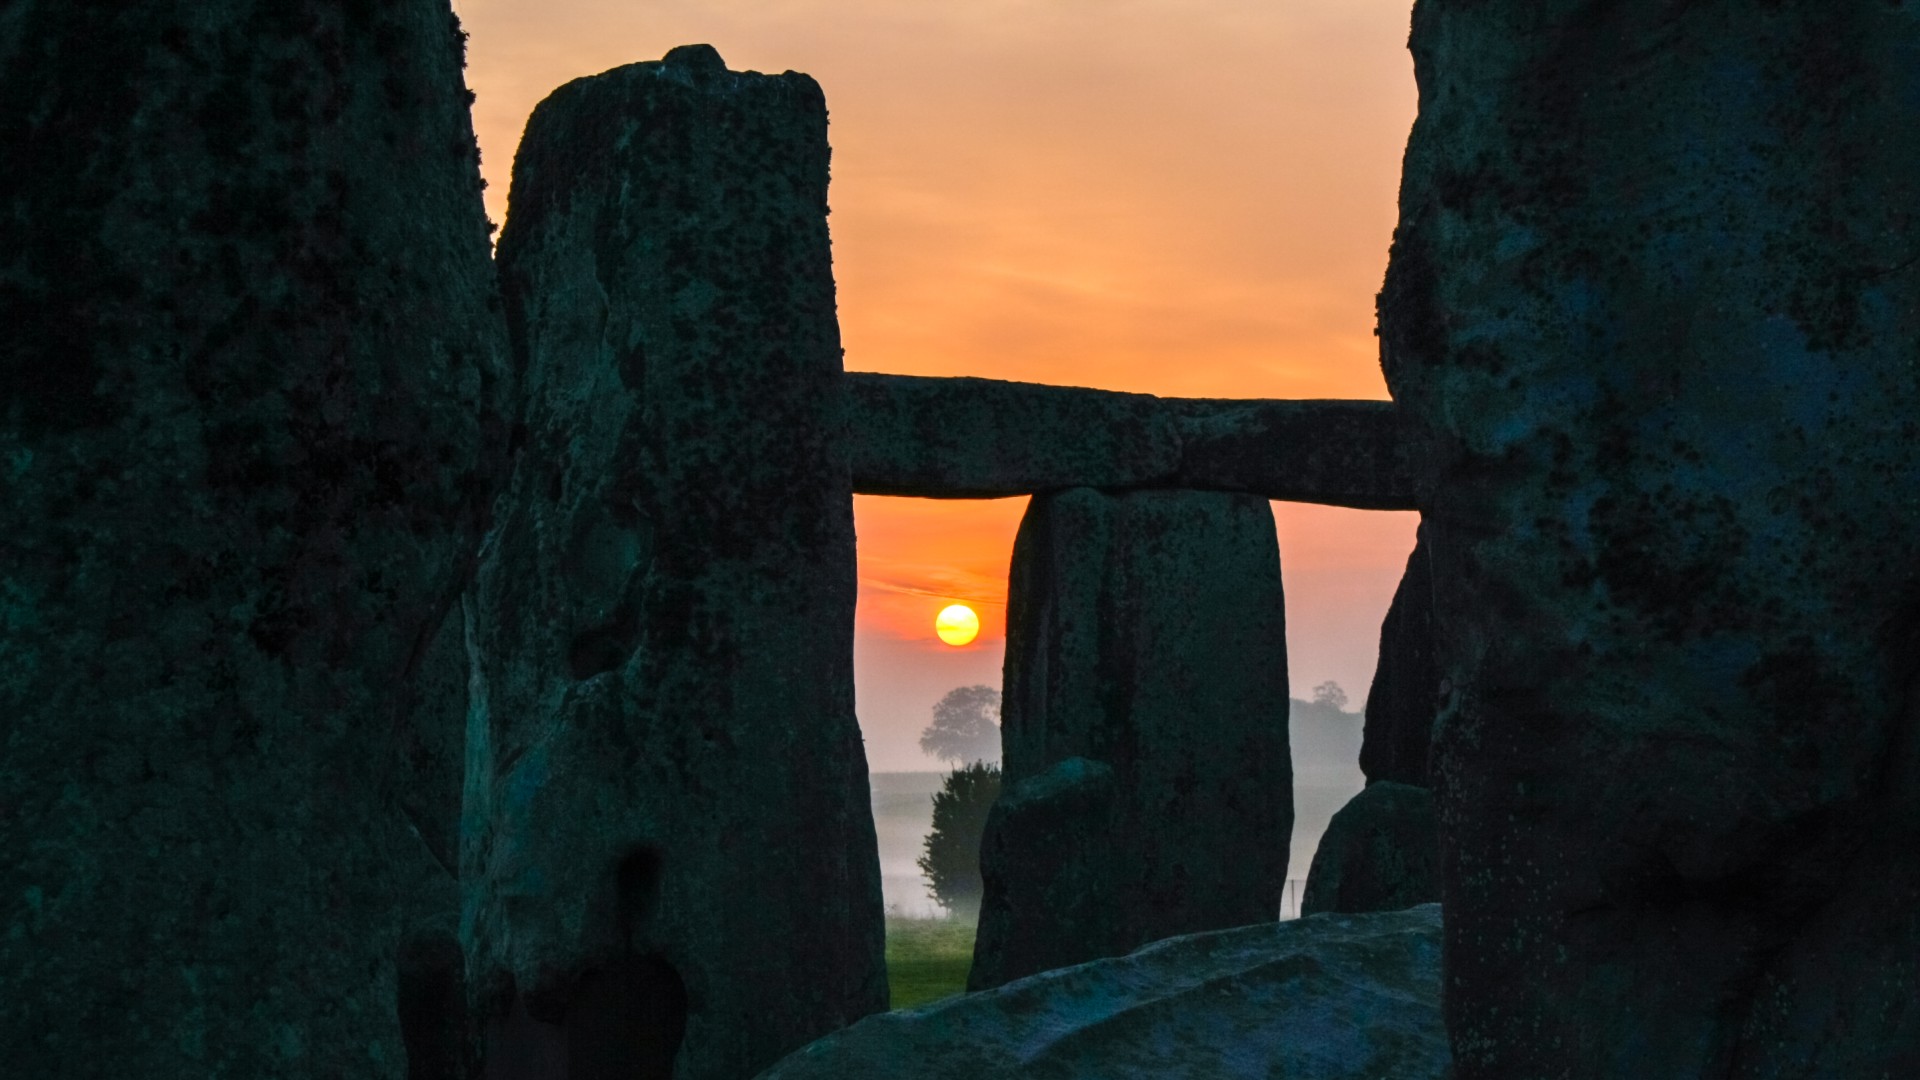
[[1148, 788], [251, 419], [944, 438], [669, 856], [1653, 301], [1381, 852]]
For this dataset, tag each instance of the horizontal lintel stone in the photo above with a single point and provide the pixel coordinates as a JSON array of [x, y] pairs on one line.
[[966, 438]]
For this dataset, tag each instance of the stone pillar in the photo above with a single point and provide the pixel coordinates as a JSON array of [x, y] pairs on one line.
[[250, 405], [670, 857], [1148, 790], [1653, 300]]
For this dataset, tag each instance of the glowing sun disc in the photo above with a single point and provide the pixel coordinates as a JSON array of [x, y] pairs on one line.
[[957, 624]]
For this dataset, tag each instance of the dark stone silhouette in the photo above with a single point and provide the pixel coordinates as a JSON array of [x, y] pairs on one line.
[[663, 625], [1653, 299], [1649, 324], [1406, 683], [251, 415], [1049, 861], [1148, 789], [1334, 997], [981, 438], [1380, 853]]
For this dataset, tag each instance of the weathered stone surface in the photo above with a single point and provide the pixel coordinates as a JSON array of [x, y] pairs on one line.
[[983, 438], [1340, 453], [1406, 681], [250, 394], [1049, 861], [1654, 299], [1333, 997], [669, 851], [1381, 852], [1148, 788]]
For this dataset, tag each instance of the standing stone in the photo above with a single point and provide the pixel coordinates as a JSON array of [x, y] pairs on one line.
[[1380, 852], [250, 381], [1654, 298], [1148, 788], [669, 854], [1406, 683]]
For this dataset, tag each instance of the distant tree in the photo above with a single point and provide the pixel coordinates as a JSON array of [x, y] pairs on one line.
[[952, 859], [966, 726], [1329, 693]]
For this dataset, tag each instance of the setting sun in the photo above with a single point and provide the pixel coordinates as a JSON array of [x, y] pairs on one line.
[[957, 624]]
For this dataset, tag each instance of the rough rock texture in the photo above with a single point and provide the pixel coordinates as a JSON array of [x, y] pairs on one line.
[[1333, 997], [1381, 852], [669, 847], [1148, 787], [1406, 681], [1654, 297], [250, 387], [1340, 453], [982, 438]]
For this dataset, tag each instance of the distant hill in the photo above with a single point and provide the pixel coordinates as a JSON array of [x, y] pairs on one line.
[[1323, 737]]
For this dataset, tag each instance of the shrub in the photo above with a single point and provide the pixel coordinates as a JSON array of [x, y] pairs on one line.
[[952, 859]]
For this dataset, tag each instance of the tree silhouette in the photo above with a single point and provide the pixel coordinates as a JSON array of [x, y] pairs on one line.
[[966, 726], [952, 859], [1329, 693]]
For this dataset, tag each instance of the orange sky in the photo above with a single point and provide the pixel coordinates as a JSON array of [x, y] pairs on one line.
[[1176, 197]]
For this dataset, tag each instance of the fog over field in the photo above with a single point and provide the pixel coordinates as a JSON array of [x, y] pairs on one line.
[[1326, 773]]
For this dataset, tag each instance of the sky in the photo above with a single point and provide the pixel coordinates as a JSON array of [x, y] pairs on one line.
[[1176, 197]]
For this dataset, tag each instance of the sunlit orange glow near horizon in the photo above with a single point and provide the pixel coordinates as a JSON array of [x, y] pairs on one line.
[[1166, 196]]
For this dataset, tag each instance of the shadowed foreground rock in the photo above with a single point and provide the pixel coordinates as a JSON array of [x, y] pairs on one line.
[[671, 860], [1148, 787], [1333, 997], [1654, 300], [983, 438], [251, 415], [1381, 852]]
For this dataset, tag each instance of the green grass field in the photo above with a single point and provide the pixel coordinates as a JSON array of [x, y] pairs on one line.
[[927, 959]]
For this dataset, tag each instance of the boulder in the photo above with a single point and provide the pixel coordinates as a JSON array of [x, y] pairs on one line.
[[1406, 683], [1381, 852], [1331, 997], [669, 853], [252, 416], [1148, 787], [1653, 302], [985, 438]]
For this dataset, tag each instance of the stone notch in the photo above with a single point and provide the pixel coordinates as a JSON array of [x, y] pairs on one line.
[[947, 438], [670, 860], [253, 410], [1654, 300], [1148, 785]]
